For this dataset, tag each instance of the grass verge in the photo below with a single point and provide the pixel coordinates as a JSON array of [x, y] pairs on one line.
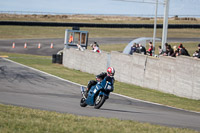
[[23, 120], [43, 63]]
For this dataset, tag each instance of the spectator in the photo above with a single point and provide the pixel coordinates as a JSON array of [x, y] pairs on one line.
[[170, 50], [149, 51], [176, 51], [96, 44], [137, 48], [160, 51], [142, 49], [182, 50], [71, 39], [166, 44], [92, 45], [96, 48], [197, 53], [165, 53], [133, 49]]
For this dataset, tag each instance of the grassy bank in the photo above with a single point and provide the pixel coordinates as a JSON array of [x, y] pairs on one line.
[[23, 120], [44, 63]]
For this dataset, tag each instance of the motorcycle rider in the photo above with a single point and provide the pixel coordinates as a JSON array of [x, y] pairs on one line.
[[106, 80]]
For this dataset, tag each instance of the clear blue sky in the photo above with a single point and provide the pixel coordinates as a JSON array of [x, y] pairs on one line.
[[177, 7]]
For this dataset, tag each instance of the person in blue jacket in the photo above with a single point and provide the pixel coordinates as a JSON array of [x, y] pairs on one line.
[[106, 80]]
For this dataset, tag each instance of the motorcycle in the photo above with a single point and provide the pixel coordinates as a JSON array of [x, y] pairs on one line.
[[96, 96]]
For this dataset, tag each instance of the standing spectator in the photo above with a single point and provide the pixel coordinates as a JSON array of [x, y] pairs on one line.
[[197, 53], [142, 49], [149, 51], [71, 38], [133, 49], [182, 50]]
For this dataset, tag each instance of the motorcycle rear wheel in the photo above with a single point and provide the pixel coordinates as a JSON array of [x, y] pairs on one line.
[[99, 101], [83, 102]]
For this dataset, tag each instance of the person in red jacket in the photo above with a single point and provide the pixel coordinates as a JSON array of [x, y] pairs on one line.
[[149, 51]]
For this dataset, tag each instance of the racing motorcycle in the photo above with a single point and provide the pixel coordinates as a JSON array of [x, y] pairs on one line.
[[99, 91], [95, 97]]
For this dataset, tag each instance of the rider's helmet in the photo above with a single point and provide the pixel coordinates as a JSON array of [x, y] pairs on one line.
[[111, 71]]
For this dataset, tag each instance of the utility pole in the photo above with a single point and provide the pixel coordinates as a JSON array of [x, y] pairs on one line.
[[165, 24], [155, 25]]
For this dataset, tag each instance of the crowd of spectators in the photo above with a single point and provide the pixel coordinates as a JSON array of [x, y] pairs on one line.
[[138, 48], [174, 52], [170, 51]]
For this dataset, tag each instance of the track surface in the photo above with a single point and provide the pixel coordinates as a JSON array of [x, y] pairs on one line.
[[26, 87], [6, 45]]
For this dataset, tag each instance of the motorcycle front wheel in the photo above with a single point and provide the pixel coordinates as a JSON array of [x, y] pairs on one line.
[[99, 101], [83, 102]]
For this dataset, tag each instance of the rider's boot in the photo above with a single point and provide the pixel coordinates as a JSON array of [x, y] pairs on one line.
[[83, 92]]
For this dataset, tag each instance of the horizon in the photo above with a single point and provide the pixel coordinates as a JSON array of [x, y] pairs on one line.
[[128, 15]]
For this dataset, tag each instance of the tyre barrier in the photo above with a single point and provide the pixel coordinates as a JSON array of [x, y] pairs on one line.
[[55, 24], [57, 58]]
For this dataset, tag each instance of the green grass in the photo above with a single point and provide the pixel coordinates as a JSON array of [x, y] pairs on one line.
[[44, 63], [26, 32], [23, 120]]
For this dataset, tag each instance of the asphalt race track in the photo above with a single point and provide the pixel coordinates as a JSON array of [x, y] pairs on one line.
[[27, 87], [6, 45]]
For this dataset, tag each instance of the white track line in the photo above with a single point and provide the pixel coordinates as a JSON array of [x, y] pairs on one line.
[[85, 86]]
